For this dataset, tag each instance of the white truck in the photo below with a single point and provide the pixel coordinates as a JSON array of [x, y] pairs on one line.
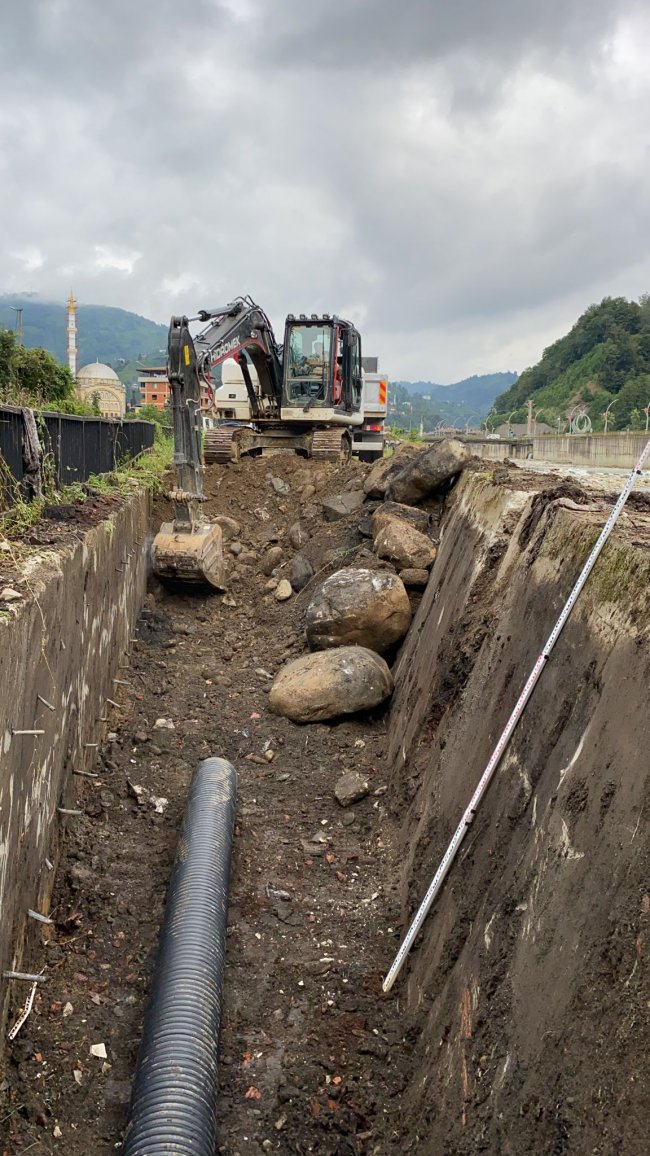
[[232, 405], [368, 440]]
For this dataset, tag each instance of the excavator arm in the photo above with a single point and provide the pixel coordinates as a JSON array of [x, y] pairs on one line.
[[243, 331], [185, 387], [189, 549]]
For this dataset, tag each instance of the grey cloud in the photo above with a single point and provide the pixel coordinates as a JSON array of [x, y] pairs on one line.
[[442, 172], [362, 34]]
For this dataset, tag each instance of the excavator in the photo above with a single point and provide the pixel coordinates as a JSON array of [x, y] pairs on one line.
[[306, 396]]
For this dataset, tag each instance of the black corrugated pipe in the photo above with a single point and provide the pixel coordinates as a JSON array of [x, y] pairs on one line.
[[173, 1103]]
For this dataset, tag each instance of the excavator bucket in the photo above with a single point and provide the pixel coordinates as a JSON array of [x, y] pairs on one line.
[[192, 556]]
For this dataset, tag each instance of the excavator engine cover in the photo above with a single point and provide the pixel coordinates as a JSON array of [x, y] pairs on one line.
[[191, 556]]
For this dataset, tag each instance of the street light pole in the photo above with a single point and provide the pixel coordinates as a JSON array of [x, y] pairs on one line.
[[606, 413]]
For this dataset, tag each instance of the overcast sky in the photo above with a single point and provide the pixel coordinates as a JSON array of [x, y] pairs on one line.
[[461, 178]]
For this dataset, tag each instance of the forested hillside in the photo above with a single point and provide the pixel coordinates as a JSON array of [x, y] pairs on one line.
[[478, 391], [603, 361], [464, 402], [103, 332]]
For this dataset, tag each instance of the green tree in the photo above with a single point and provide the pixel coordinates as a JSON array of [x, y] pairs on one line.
[[606, 349], [632, 399], [95, 404], [7, 346], [40, 376]]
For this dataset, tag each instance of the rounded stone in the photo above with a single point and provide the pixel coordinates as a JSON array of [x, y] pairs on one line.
[[402, 544], [283, 590], [331, 683], [358, 608]]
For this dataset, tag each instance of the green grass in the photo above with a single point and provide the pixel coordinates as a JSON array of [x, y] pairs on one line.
[[147, 470]]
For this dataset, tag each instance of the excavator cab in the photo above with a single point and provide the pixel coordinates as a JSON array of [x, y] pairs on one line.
[[321, 368]]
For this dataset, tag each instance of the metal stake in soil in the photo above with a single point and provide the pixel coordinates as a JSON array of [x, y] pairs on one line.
[[461, 831]]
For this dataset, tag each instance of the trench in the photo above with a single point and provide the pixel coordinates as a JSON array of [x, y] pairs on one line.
[[520, 1022]]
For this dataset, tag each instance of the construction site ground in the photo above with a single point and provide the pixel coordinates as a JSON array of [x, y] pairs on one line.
[[310, 1055], [314, 1059]]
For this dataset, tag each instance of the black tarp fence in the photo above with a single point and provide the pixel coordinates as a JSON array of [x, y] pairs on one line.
[[75, 446]]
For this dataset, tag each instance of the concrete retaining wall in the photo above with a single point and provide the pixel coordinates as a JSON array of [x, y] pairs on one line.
[[64, 643], [616, 451], [619, 450], [497, 451]]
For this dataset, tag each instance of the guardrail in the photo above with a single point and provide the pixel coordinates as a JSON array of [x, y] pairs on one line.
[[79, 446]]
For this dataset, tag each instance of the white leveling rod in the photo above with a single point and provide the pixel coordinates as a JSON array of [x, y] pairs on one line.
[[461, 831]]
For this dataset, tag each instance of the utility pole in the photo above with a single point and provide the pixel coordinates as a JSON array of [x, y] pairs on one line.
[[19, 324]]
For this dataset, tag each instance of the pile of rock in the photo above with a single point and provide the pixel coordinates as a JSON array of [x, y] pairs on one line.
[[357, 615]]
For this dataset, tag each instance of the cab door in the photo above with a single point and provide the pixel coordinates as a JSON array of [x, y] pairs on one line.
[[353, 378]]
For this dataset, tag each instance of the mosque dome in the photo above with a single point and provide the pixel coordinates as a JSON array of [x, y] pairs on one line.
[[98, 382], [96, 371]]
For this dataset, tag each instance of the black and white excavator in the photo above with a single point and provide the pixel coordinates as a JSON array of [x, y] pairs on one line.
[[304, 396]]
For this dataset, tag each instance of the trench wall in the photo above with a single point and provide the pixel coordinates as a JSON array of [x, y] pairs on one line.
[[526, 998], [64, 642]]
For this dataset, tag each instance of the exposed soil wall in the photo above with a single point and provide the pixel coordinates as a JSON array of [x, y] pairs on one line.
[[62, 641], [527, 996]]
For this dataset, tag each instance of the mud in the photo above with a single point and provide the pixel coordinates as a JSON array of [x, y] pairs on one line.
[[520, 1023]]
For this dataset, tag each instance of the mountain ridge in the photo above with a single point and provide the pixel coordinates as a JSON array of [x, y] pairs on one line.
[[105, 333]]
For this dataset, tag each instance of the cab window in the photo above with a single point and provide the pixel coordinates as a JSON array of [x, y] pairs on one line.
[[308, 368]]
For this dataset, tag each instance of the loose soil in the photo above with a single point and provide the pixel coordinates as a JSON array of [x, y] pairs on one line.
[[310, 1051]]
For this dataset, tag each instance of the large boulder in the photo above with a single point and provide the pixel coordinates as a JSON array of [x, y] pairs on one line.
[[385, 469], [419, 519], [229, 527], [428, 473], [358, 608], [403, 545], [342, 505], [331, 683]]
